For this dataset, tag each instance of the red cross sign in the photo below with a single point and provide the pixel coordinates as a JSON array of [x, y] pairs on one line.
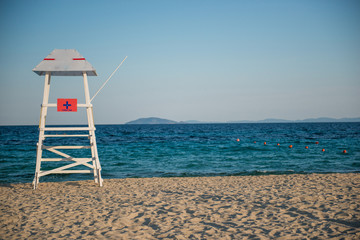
[[67, 105]]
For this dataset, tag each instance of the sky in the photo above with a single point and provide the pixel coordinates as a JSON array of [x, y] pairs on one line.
[[208, 60]]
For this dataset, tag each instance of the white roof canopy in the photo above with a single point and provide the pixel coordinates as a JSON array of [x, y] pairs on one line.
[[65, 62]]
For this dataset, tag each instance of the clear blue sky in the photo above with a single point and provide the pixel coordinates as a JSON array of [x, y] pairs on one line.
[[187, 60]]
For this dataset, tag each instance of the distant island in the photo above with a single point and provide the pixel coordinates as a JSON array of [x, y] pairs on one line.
[[152, 120], [155, 120]]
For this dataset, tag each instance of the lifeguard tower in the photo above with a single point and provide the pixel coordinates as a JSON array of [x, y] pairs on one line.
[[66, 62]]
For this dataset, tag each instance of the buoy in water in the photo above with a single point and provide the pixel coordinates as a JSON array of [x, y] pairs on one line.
[[238, 140], [323, 150], [278, 144], [254, 141], [316, 142], [264, 143], [344, 151], [306, 147], [290, 146]]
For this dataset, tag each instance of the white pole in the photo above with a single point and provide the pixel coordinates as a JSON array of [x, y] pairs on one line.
[[43, 113], [107, 80], [91, 124]]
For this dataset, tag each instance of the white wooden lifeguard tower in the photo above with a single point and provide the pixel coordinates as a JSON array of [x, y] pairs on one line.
[[66, 62]]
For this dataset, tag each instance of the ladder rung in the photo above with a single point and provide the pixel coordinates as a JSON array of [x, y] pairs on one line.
[[76, 171], [44, 173], [65, 147], [64, 159], [68, 129], [67, 135]]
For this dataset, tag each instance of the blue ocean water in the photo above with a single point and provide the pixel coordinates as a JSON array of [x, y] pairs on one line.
[[184, 150]]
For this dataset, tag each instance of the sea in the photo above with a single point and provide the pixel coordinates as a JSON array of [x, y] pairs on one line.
[[191, 150]]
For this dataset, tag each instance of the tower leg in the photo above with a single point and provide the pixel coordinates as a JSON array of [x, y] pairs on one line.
[[91, 124], [43, 113]]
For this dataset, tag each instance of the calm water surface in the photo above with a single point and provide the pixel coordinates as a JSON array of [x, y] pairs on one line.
[[192, 150]]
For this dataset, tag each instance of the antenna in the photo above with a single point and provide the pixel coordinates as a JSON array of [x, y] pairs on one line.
[[107, 80]]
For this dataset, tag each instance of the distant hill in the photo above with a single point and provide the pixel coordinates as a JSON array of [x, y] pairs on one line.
[[308, 120], [330, 120], [191, 122], [154, 120], [151, 120]]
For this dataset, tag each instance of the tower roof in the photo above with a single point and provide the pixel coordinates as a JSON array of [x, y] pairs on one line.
[[65, 62]]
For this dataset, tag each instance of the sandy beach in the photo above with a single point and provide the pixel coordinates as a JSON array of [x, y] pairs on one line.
[[315, 206]]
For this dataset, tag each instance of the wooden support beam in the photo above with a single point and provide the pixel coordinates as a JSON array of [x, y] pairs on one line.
[[55, 105], [59, 169], [65, 147], [67, 135], [66, 160], [68, 129], [76, 171]]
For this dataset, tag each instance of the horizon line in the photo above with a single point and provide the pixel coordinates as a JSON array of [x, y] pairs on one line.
[[267, 120]]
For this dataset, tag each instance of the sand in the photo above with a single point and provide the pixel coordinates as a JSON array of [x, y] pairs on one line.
[[311, 206]]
